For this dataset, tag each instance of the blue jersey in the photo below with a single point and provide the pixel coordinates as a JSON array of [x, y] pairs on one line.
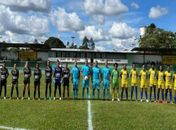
[[96, 73], [85, 70], [75, 73], [58, 74], [106, 73]]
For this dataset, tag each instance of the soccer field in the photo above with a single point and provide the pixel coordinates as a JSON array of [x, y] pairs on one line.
[[80, 115]]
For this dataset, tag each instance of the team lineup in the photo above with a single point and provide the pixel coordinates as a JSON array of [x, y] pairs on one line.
[[115, 82]]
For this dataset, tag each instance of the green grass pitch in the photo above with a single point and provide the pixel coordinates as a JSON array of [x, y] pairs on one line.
[[73, 114]]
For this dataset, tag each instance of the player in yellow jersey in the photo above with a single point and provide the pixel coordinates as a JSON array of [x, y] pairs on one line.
[[133, 76], [160, 78], [124, 80], [174, 80], [152, 80], [143, 82], [168, 83]]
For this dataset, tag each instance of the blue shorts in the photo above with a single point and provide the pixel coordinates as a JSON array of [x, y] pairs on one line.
[[96, 84], [85, 83], [106, 84], [75, 83]]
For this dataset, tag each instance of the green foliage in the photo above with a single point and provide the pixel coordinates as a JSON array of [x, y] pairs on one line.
[[157, 38], [87, 44], [73, 46], [54, 42]]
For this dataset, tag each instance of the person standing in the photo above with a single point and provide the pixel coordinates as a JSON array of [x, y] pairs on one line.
[[37, 77], [15, 76], [106, 73], [27, 76], [143, 82], [134, 77], [4, 75], [160, 78], [115, 82], [124, 81], [48, 79], [168, 83], [58, 79], [75, 79], [96, 76], [152, 79], [85, 81], [66, 78]]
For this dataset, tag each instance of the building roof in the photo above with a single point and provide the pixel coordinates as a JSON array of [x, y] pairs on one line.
[[156, 50]]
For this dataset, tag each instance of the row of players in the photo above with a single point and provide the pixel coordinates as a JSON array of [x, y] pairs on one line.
[[160, 79]]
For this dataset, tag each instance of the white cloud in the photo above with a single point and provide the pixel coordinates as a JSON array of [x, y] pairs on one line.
[[122, 31], [20, 24], [66, 21], [134, 5], [92, 32], [99, 18], [104, 7], [26, 5], [11, 37], [158, 11]]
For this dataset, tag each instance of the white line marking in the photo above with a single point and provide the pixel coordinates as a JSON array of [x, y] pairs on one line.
[[90, 127], [11, 128]]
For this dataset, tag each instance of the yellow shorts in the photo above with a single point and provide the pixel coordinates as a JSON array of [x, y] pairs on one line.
[[133, 83], [152, 83], [168, 86], [143, 85], [161, 85], [124, 84], [174, 87]]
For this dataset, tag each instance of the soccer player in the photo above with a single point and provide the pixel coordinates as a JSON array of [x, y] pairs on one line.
[[15, 76], [115, 82], [58, 78], [96, 76], [152, 80], [174, 80], [106, 73], [86, 75], [37, 77], [124, 81], [4, 75], [66, 76], [27, 75], [168, 83], [133, 76], [48, 79], [160, 78], [143, 84], [75, 79]]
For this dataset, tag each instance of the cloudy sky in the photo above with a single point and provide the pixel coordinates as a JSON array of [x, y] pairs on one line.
[[113, 24]]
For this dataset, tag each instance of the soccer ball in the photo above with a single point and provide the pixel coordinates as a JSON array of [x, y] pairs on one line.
[[86, 78]]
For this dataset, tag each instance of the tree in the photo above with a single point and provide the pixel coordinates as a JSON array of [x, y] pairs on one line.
[[157, 38], [84, 43], [54, 42], [91, 44]]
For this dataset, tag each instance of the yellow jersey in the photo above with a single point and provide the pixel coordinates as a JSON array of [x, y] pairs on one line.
[[133, 74], [160, 79], [168, 79], [152, 78], [143, 78], [174, 81], [124, 77]]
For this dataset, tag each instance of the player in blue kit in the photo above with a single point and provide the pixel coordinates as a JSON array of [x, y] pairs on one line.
[[96, 76], [86, 76], [75, 79], [106, 73], [58, 77]]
